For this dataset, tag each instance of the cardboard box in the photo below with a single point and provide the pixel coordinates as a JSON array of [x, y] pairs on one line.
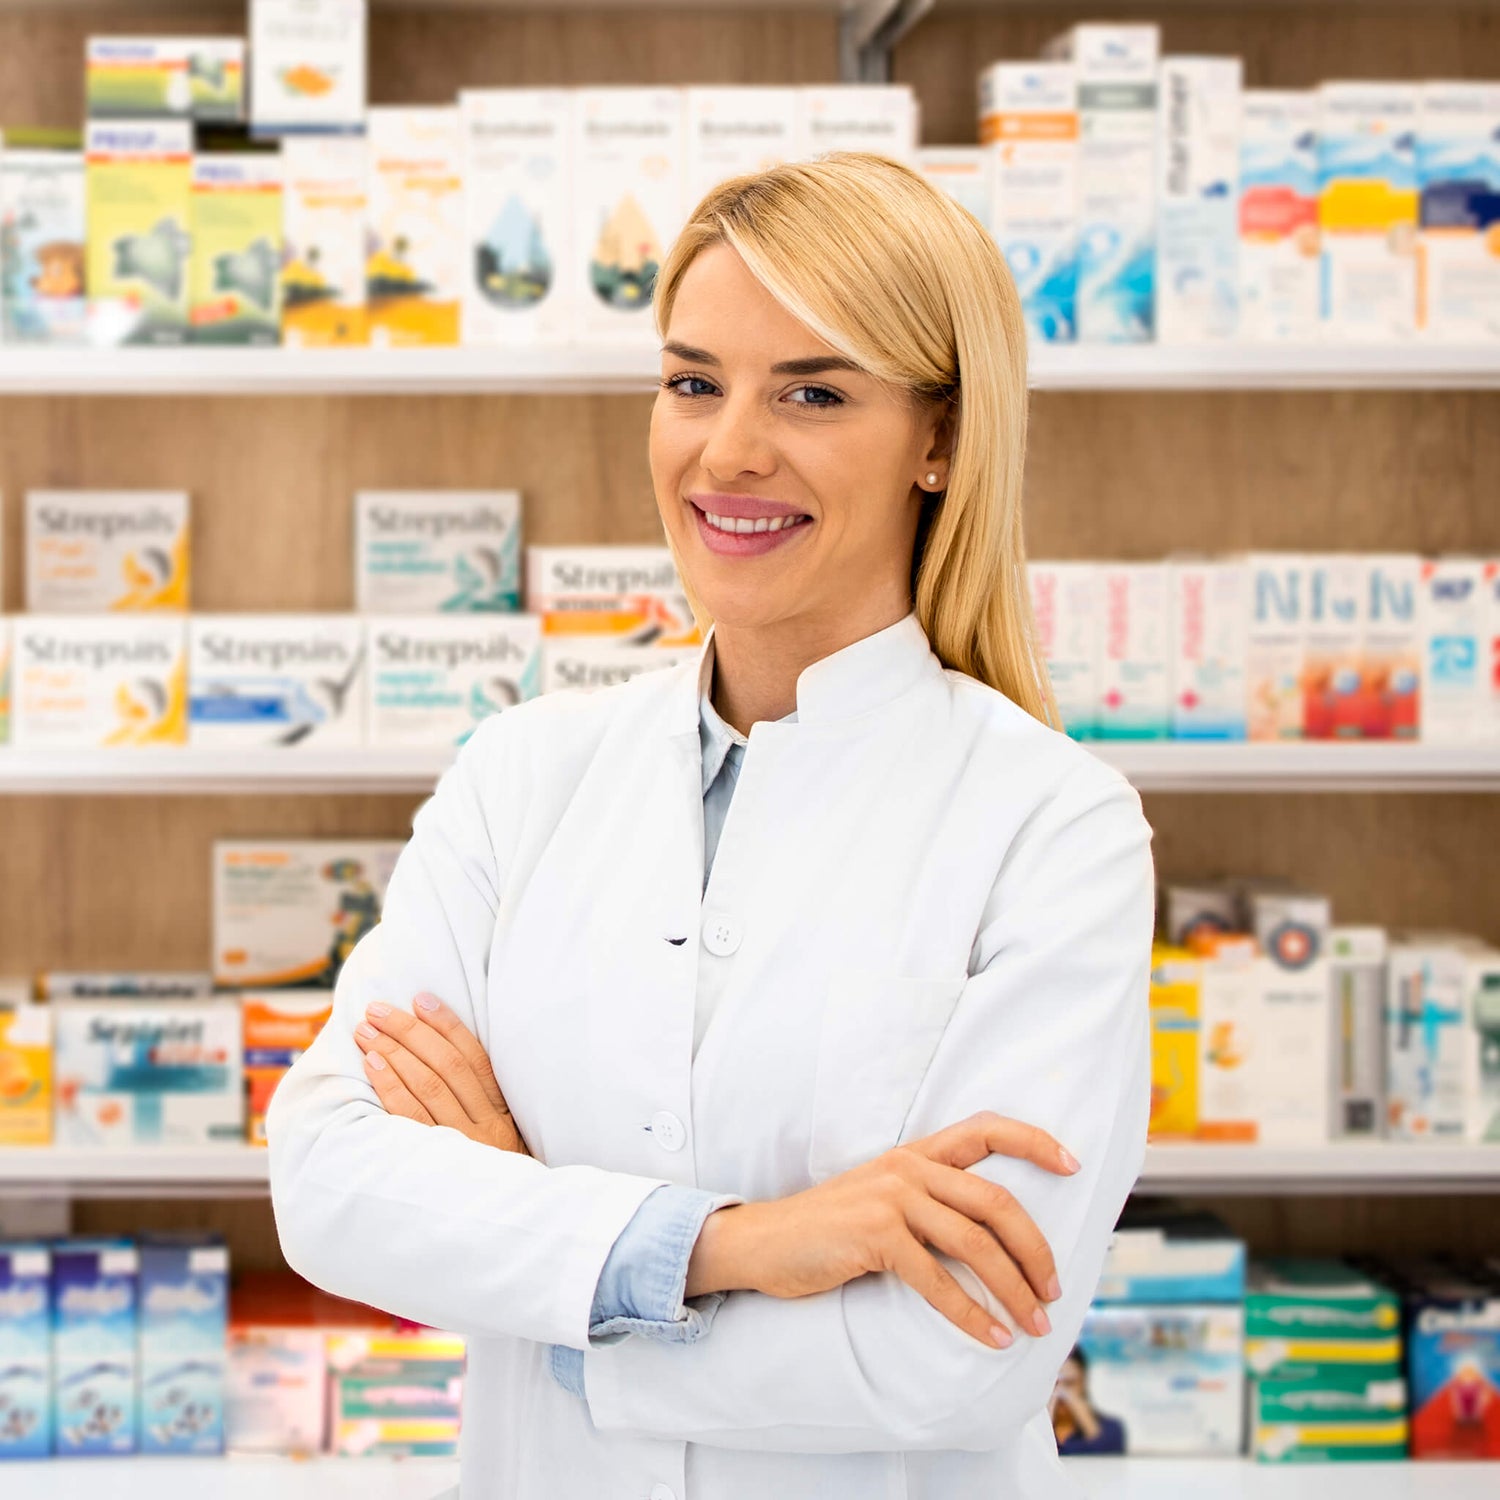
[[7, 658], [397, 1394], [26, 1338], [1338, 594], [1331, 1416], [1391, 674], [95, 1396], [589, 662], [308, 65], [732, 131], [194, 78], [1357, 971], [1135, 684], [1176, 982], [55, 984], [882, 118], [1277, 645], [25, 1074], [1454, 615], [325, 201], [1304, 1317], [237, 249], [1067, 605], [93, 551], [963, 173], [1453, 1356], [279, 1026], [184, 1303], [43, 218], [1429, 1037], [1484, 1070], [1163, 1257], [631, 594], [1210, 649]]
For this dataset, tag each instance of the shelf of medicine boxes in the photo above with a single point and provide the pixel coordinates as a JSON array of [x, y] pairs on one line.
[[1162, 766], [1385, 1167], [566, 369]]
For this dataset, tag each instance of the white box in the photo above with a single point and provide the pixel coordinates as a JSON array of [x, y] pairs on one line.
[[139, 77], [628, 206], [91, 551], [434, 678], [1280, 244], [437, 551], [1197, 203], [1117, 86], [327, 197], [731, 131], [43, 216], [517, 170], [1277, 645], [1338, 594], [1210, 625], [1458, 176], [307, 65], [275, 1395], [276, 680], [588, 662], [83, 682], [1454, 613], [1391, 669], [877, 117], [1429, 1037], [1135, 652], [1068, 608], [1357, 971], [632, 594], [1367, 206], [1482, 1087], [286, 915], [1028, 122], [963, 173]]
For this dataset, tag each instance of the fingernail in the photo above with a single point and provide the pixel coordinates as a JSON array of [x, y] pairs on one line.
[[1001, 1335], [1069, 1161], [377, 1008], [1041, 1322], [1054, 1290], [427, 1002], [367, 1031], [375, 1060]]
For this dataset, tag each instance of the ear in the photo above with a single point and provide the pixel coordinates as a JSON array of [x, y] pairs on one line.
[[942, 429]]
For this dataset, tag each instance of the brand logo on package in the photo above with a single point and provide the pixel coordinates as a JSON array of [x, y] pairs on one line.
[[395, 649], [50, 651], [436, 524], [59, 520]]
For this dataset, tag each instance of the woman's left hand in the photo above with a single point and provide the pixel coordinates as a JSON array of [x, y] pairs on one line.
[[427, 1066]]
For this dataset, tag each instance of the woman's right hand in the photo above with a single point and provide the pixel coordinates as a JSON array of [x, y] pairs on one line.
[[881, 1217]]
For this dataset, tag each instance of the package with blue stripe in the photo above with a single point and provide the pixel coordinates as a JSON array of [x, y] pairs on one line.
[[25, 1351], [94, 1287], [184, 1311]]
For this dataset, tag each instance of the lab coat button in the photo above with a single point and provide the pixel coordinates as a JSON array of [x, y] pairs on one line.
[[670, 1135], [721, 934], [662, 1492]]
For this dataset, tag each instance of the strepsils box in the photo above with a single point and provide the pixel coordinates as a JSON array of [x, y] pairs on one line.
[[437, 551], [632, 594], [589, 662], [93, 551]]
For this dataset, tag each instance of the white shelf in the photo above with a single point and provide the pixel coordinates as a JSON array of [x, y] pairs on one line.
[[567, 370], [134, 1172], [1238, 1479]]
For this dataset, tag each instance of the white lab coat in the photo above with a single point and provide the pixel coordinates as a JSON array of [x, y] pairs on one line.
[[924, 903]]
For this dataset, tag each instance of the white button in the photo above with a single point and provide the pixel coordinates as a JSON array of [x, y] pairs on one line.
[[721, 934], [669, 1131], [662, 1492]]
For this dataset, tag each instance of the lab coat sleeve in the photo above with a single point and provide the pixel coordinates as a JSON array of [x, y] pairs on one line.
[[415, 1219], [1051, 1028]]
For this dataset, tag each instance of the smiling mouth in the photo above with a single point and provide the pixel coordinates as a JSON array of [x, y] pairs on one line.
[[742, 526]]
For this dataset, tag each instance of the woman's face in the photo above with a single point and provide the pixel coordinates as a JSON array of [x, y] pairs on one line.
[[759, 418]]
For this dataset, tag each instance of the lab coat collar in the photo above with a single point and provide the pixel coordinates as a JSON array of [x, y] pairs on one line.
[[853, 680]]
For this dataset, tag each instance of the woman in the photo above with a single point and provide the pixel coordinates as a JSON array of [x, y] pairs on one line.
[[717, 1275]]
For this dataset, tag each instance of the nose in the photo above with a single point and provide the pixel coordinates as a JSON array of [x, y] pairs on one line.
[[739, 441]]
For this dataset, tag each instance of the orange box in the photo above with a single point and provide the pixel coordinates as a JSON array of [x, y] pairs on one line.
[[25, 1069], [279, 1026]]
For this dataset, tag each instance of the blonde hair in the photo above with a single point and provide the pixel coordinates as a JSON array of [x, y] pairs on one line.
[[895, 275]]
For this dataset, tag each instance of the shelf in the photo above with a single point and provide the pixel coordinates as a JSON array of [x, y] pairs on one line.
[[1238, 1479], [634, 368], [133, 1172]]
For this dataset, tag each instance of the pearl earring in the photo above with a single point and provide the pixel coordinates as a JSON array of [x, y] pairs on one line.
[[932, 478]]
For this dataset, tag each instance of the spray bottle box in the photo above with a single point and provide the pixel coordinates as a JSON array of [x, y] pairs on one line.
[[91, 551], [731, 131], [883, 118], [437, 551], [1338, 595], [138, 177], [517, 168], [591, 662], [1210, 617], [1391, 669], [1453, 611], [95, 681], [435, 679], [43, 225], [26, 1338], [1135, 686], [235, 294], [308, 66], [1367, 207], [197, 78], [279, 1026], [184, 1303], [1458, 176], [1429, 1037], [1028, 121], [1197, 205], [632, 594], [628, 160], [1117, 87], [94, 1362], [1357, 972], [278, 680], [1280, 244], [287, 915], [1277, 645], [1176, 984], [963, 173], [25, 1074], [324, 202], [1067, 605]]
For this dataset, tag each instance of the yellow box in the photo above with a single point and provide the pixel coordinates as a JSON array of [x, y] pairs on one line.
[[25, 1068], [1176, 984]]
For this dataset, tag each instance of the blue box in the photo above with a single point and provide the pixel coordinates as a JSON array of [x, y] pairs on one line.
[[94, 1285], [184, 1302], [25, 1351]]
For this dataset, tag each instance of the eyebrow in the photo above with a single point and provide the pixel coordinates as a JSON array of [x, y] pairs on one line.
[[814, 364]]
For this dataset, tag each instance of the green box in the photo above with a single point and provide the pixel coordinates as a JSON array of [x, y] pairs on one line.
[[1303, 1316], [1330, 1416], [189, 78], [236, 267]]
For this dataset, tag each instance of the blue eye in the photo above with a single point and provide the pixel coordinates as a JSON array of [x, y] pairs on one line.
[[674, 382], [834, 399]]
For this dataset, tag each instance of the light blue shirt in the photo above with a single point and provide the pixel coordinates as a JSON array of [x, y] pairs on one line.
[[641, 1287]]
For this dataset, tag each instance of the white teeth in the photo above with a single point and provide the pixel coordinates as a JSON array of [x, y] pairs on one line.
[[741, 526], [764, 524]]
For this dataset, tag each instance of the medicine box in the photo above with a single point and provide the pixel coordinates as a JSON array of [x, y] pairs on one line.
[[26, 1339], [184, 1302], [1167, 1258], [1455, 616], [25, 1071], [435, 678], [1200, 910], [1338, 593], [94, 551], [1280, 242], [395, 1394], [1277, 645], [1489, 654], [325, 198], [55, 984], [1210, 620], [1176, 979], [276, 680], [7, 657], [1357, 973], [1453, 1358], [1028, 122], [94, 1359], [961, 172], [308, 65], [431, 551], [43, 217], [882, 118], [136, 77], [279, 1026], [732, 131], [95, 681], [235, 295], [1483, 1087], [1135, 685], [1429, 1037], [1067, 605], [1304, 1316], [589, 662], [1330, 1416], [1391, 672], [287, 915], [630, 594], [517, 173]]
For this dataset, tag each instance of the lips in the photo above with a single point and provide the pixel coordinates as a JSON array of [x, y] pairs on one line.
[[742, 507]]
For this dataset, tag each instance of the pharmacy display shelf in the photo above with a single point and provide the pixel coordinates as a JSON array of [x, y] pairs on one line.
[[1239, 1479], [569, 370], [228, 1171]]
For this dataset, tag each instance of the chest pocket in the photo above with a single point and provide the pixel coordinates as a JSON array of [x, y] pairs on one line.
[[877, 1038]]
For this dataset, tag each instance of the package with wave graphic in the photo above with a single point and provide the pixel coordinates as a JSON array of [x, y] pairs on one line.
[[94, 1391], [184, 1307], [26, 1339], [1278, 214], [93, 551]]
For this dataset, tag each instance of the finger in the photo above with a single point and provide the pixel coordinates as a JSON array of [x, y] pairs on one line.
[[393, 1094], [429, 1009], [426, 1086], [960, 1237], [988, 1134], [987, 1203], [936, 1285], [439, 1054]]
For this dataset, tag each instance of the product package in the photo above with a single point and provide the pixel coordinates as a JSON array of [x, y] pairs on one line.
[[1391, 674], [883, 118], [963, 173], [1489, 653], [1135, 686], [284, 680], [25, 1074], [55, 984], [26, 1338], [1428, 1037], [1028, 121], [138, 181], [1280, 243], [1332, 1416], [92, 551], [588, 662], [287, 915], [436, 551], [1067, 607], [1277, 646], [1303, 1316], [1210, 618], [94, 1361], [1483, 1087], [434, 679], [1338, 594], [1453, 1359], [517, 170], [397, 1394], [279, 1026], [237, 249], [1197, 203], [631, 594], [91, 681], [1357, 969], [1117, 71], [43, 249], [1164, 1257], [195, 78], [325, 198], [184, 1302], [1198, 911], [308, 65], [7, 651], [1452, 609], [1176, 982], [731, 131]]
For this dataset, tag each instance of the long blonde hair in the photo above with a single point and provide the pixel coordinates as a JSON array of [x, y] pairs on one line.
[[895, 275]]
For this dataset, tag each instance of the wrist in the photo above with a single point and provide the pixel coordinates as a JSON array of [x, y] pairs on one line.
[[716, 1264]]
